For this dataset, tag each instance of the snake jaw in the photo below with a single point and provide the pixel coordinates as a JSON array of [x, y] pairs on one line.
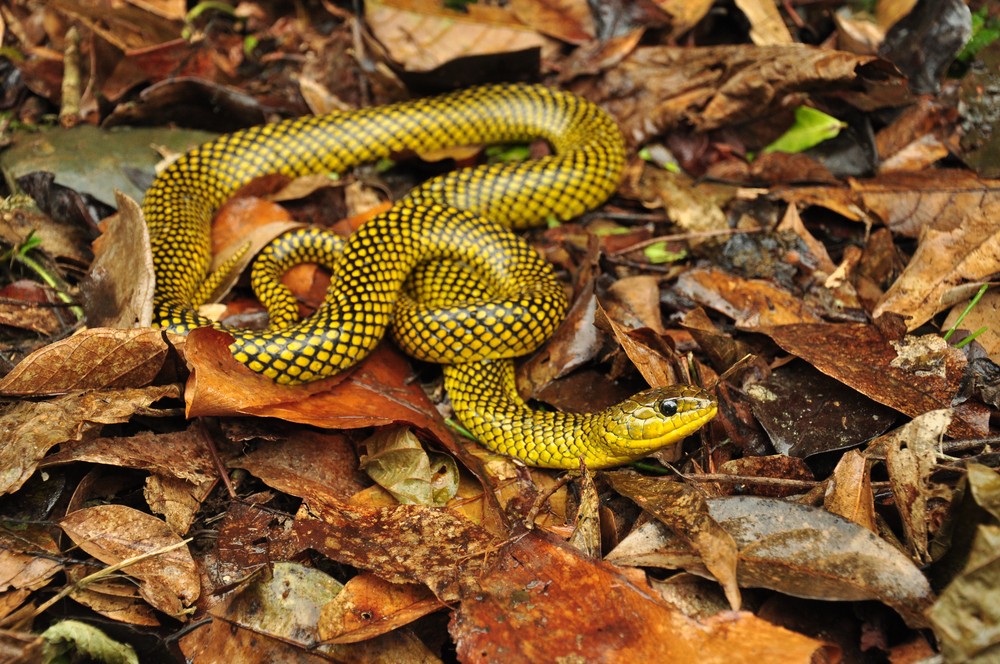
[[655, 419]]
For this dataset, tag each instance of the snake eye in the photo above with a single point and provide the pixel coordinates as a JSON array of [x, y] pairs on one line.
[[668, 407]]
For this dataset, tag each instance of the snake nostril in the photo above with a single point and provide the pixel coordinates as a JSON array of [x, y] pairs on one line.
[[668, 407]]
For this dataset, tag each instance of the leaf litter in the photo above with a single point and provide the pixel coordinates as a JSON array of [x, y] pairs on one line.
[[802, 207]]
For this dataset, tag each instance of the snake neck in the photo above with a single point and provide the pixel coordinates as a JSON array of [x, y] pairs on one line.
[[493, 411]]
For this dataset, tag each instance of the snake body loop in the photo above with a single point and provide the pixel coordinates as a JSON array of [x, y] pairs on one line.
[[461, 218]]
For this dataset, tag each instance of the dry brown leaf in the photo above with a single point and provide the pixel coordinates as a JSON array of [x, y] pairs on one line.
[[28, 305], [658, 88], [961, 244], [173, 10], [543, 601], [985, 314], [575, 342], [849, 492], [30, 429], [634, 301], [28, 559], [684, 14], [368, 607], [112, 533], [307, 464], [910, 458], [274, 617], [94, 359], [767, 28], [118, 290], [126, 27], [566, 20], [117, 599], [421, 34], [650, 354], [182, 472], [378, 392], [752, 303], [683, 509], [777, 466], [180, 454]]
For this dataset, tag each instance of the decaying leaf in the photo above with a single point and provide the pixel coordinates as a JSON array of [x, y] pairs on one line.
[[910, 376], [112, 533], [657, 88], [849, 492], [960, 244], [367, 607], [119, 286], [966, 616], [285, 603], [545, 601], [30, 429], [910, 457], [397, 462], [97, 358], [401, 544]]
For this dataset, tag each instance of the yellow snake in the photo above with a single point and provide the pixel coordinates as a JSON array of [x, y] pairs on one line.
[[454, 219]]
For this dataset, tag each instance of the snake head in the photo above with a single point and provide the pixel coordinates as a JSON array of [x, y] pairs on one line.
[[654, 419]]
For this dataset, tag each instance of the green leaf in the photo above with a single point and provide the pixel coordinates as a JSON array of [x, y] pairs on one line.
[[658, 253], [985, 31], [811, 128], [71, 640], [397, 462]]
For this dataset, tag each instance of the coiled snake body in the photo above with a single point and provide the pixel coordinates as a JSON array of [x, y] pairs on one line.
[[451, 220]]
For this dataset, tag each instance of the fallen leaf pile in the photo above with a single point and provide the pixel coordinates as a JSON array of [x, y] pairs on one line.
[[807, 225]]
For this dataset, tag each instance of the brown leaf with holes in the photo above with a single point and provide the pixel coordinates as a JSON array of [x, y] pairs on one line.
[[94, 359], [399, 543], [544, 601], [911, 459], [368, 606], [112, 533], [377, 392], [30, 429]]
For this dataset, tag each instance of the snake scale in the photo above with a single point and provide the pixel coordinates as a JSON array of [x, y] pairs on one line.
[[442, 266]]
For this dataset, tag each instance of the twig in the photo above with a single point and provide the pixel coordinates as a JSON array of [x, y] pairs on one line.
[[69, 111], [100, 574]]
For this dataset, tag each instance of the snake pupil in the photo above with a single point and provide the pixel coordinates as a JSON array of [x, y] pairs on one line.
[[668, 407]]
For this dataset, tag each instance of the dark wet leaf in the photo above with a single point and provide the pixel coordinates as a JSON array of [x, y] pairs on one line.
[[805, 412]]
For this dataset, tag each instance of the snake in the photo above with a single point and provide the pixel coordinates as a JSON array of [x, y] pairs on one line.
[[499, 299]]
